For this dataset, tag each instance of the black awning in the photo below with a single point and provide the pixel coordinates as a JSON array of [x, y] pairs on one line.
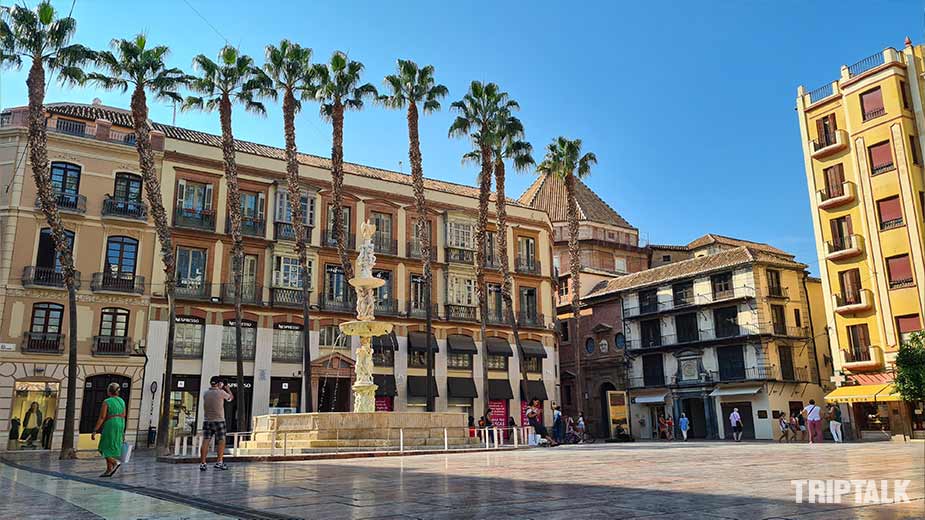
[[532, 347], [417, 342], [386, 385], [416, 386], [463, 387], [533, 390], [385, 341], [500, 389], [461, 344], [498, 347]]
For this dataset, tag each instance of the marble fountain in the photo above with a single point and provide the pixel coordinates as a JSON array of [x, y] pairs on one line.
[[363, 428]]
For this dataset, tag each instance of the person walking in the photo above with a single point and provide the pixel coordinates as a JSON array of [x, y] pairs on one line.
[[812, 414], [684, 423], [662, 428], [669, 427], [794, 425], [784, 424], [735, 421], [111, 425], [557, 423], [213, 424], [834, 416]]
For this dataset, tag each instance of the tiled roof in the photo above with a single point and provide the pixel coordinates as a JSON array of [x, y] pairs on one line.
[[687, 268], [116, 116], [668, 247], [547, 193], [712, 238]]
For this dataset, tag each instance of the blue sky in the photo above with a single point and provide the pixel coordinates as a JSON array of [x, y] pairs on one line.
[[689, 106]]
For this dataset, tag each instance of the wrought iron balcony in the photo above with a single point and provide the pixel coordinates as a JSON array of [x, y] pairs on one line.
[[286, 297], [385, 244], [251, 293], [892, 223], [130, 209], [527, 265], [874, 114], [386, 307], [109, 281], [33, 276], [530, 320], [650, 381], [418, 310], [331, 303], [413, 249], [837, 195], [328, 240], [250, 226], [192, 290], [461, 313], [830, 143], [777, 291], [844, 247], [43, 342], [882, 168], [852, 302], [112, 346], [866, 64], [67, 202], [286, 231], [498, 317], [899, 284], [458, 255], [194, 219]]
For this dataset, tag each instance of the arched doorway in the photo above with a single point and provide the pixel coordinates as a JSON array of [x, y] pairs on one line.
[[95, 394], [604, 428]]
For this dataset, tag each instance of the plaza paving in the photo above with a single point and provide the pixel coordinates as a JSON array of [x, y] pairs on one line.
[[643, 480]]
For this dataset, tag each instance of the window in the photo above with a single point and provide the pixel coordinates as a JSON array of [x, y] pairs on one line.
[[457, 360], [903, 94], [653, 371], [779, 319], [191, 267], [252, 206], [287, 342], [47, 259], [589, 345], [528, 309], [825, 131], [722, 286], [526, 251], [418, 359], [785, 353], [284, 210], [65, 178], [563, 289], [335, 287], [891, 213], [328, 334], [666, 258], [121, 255], [648, 301], [651, 332], [906, 325], [686, 327], [534, 364], [383, 223], [46, 318], [619, 264], [859, 343], [683, 293], [127, 187], [841, 232], [495, 305], [563, 330], [329, 238], [725, 320], [899, 271], [914, 150], [872, 104], [248, 339], [287, 273], [881, 158], [188, 336], [731, 362], [384, 356], [496, 362], [114, 322], [459, 234], [461, 291], [194, 197], [834, 181], [850, 283], [418, 288], [797, 319], [491, 250]]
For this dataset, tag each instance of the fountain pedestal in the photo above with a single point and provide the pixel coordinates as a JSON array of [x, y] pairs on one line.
[[366, 327]]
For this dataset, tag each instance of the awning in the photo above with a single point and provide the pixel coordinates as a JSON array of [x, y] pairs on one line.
[[417, 342], [463, 387], [461, 344], [500, 389], [498, 347], [385, 341], [650, 398], [534, 348], [385, 384], [736, 390], [416, 386], [533, 390], [862, 393]]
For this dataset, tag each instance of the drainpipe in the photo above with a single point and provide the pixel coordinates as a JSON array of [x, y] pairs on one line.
[[812, 332]]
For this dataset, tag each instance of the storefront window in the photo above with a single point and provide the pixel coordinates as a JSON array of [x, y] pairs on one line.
[[416, 359], [497, 362], [383, 357], [872, 416], [534, 364], [459, 360], [32, 422], [285, 395], [184, 406], [287, 343]]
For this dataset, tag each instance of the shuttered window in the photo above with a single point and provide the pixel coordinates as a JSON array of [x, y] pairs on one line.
[[891, 212], [899, 269], [850, 286], [907, 325], [881, 159], [872, 104], [834, 180]]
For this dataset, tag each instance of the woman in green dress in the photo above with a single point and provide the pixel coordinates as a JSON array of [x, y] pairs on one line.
[[112, 426]]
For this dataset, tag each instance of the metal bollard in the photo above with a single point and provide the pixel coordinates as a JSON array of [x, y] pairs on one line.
[[514, 431], [285, 443], [446, 440], [234, 443], [487, 440], [497, 438], [401, 440], [273, 444]]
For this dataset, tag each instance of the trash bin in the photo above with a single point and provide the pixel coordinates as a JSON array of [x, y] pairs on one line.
[[152, 435]]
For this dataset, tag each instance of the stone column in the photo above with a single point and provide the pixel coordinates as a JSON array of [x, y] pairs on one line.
[[263, 369]]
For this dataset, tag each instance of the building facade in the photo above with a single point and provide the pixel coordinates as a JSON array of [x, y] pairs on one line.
[[194, 193], [729, 328], [862, 143]]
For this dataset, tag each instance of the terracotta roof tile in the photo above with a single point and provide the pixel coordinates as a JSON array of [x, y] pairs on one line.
[[547, 193], [116, 116], [712, 238]]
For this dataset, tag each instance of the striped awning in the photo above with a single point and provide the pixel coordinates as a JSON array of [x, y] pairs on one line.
[[862, 394]]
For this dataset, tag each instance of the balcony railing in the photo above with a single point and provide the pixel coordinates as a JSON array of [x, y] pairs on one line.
[[851, 302], [777, 291], [328, 240], [418, 310], [75, 128], [457, 255], [821, 93], [67, 202], [192, 290], [733, 373], [461, 313], [386, 307], [283, 297], [120, 137], [130, 209], [385, 244], [527, 265], [251, 293], [899, 284], [859, 358], [874, 114], [338, 304], [194, 219], [112, 346], [498, 317], [866, 64], [187, 350], [250, 226], [843, 247], [492, 262], [892, 223], [530, 320], [652, 307], [824, 140], [882, 168], [33, 276], [43, 342], [413, 249], [829, 143], [286, 231], [836, 195], [108, 281]]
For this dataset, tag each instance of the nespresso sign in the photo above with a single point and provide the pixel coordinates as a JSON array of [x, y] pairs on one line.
[[190, 319], [245, 324], [287, 326]]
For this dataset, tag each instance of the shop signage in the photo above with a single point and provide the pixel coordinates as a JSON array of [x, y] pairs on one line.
[[287, 326], [7, 347], [524, 421], [383, 404], [190, 319], [616, 402], [245, 324], [181, 384], [285, 386], [497, 409]]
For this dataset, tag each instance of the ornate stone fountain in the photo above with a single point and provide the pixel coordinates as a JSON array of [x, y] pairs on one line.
[[365, 326]]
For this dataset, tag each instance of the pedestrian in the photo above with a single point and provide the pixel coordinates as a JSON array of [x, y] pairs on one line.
[[735, 420], [801, 419], [684, 424], [813, 421], [581, 428], [669, 427], [557, 423], [111, 425], [794, 425], [784, 428], [533, 416], [834, 416], [662, 428], [213, 424]]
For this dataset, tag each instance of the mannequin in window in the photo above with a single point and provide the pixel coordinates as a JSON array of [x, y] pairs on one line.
[[30, 425], [48, 428]]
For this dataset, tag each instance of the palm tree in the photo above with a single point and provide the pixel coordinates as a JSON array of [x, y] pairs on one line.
[[478, 114], [337, 88], [410, 87], [289, 67], [565, 160], [234, 79], [132, 63], [42, 37]]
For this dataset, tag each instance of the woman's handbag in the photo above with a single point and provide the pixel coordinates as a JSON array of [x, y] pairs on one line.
[[126, 452]]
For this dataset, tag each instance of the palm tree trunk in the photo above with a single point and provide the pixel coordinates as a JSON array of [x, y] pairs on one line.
[[38, 156], [337, 181], [295, 204], [575, 270], [165, 237], [417, 181], [237, 250], [506, 287], [484, 194]]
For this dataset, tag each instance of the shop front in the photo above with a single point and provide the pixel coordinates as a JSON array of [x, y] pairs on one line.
[[33, 415], [529, 391], [741, 398], [246, 395], [499, 399], [285, 395], [876, 412], [646, 407], [184, 405], [460, 393], [95, 392], [385, 392]]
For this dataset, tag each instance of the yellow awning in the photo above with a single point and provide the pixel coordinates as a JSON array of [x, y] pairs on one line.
[[889, 394], [858, 394]]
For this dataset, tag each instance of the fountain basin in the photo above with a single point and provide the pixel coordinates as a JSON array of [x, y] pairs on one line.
[[365, 328], [366, 283]]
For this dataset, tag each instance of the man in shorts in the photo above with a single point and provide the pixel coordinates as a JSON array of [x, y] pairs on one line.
[[213, 424]]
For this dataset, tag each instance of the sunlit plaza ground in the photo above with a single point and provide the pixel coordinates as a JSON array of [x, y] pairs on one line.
[[642, 480]]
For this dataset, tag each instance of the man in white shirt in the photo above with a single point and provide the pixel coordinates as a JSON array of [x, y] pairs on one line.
[[735, 421], [813, 421]]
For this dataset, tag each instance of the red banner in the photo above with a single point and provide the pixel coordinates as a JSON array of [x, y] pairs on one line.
[[383, 404], [498, 410]]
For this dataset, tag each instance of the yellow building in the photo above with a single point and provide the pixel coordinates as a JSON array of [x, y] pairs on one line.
[[862, 145]]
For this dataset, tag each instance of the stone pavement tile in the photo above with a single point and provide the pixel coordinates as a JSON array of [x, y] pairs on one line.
[[914, 510]]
